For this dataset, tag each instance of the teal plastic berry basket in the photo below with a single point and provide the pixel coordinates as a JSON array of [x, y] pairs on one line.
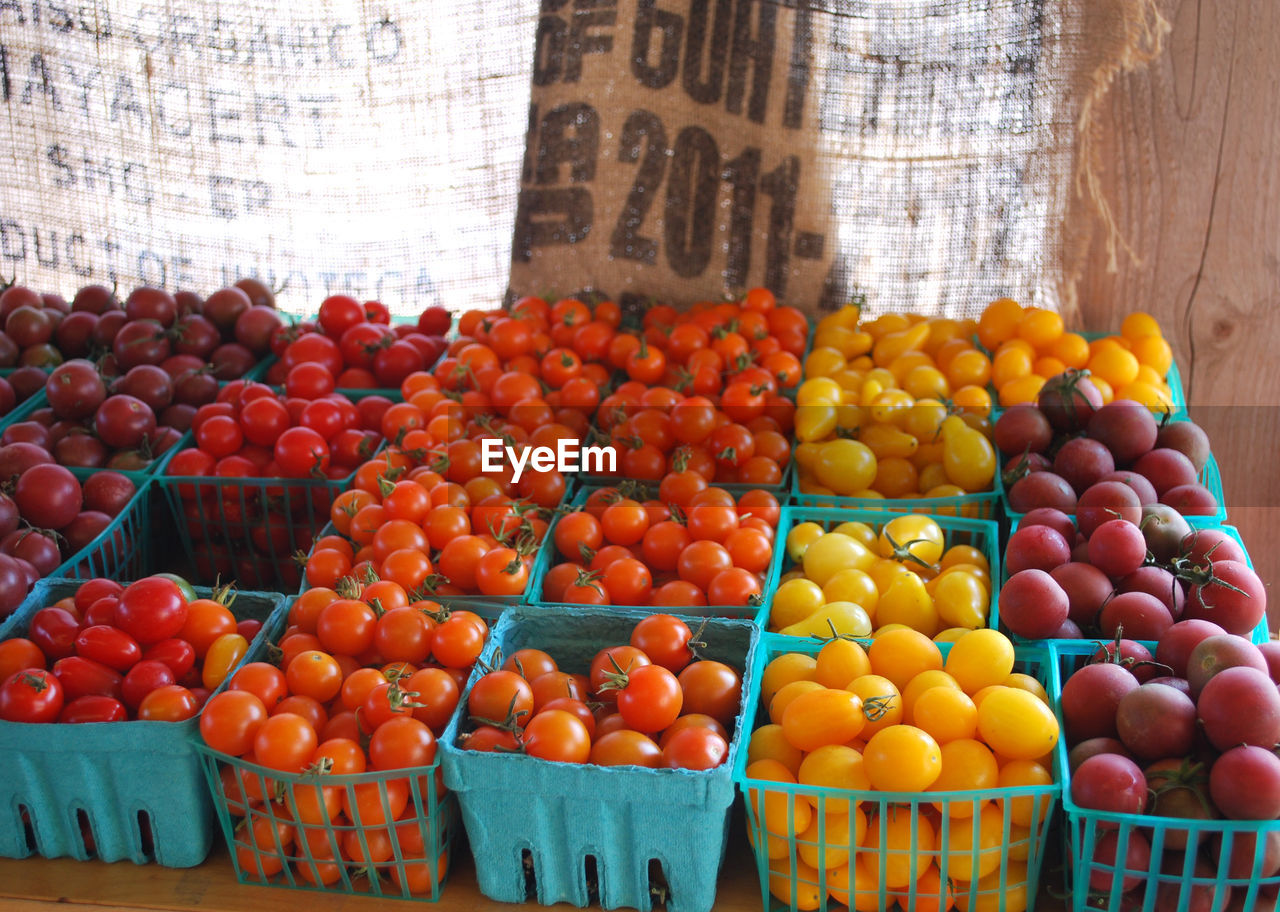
[[411, 856], [23, 410], [618, 832], [548, 556], [982, 534], [110, 790], [824, 867], [249, 529], [1165, 863]]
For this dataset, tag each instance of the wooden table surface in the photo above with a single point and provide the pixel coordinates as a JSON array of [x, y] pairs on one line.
[[38, 884]]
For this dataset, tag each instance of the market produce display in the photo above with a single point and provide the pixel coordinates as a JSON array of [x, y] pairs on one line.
[[790, 582]]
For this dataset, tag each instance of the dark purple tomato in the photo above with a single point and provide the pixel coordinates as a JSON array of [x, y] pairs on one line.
[[1174, 648], [1158, 582], [1164, 529], [151, 304], [224, 307], [44, 356], [48, 496], [1090, 698], [1165, 468], [1135, 614], [1129, 862], [108, 492], [108, 325], [14, 584], [123, 421], [1191, 500], [9, 515], [1201, 545], [1139, 483], [259, 294], [27, 381], [9, 351], [1069, 400], [195, 335], [255, 327], [1087, 588], [140, 342], [177, 365], [1240, 706], [1215, 654], [1109, 782], [1233, 598], [36, 548], [1156, 721], [28, 326], [1106, 500], [1188, 438], [1086, 749], [148, 383], [1060, 522], [177, 416], [17, 458], [195, 388], [26, 432], [84, 529], [94, 299], [74, 335], [231, 361], [82, 450], [188, 302], [1083, 462], [75, 389], [1124, 427], [1117, 548]]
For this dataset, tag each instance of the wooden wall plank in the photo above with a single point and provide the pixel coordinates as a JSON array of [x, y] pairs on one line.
[[1191, 169]]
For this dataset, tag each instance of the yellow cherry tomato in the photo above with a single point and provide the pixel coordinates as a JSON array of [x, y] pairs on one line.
[[946, 713], [768, 743], [902, 758], [980, 658], [908, 845], [908, 603], [823, 362], [840, 661], [845, 466], [801, 537], [833, 619], [968, 456], [964, 554], [881, 702], [961, 600], [819, 391], [885, 440], [900, 655], [815, 422], [795, 600], [1016, 724], [891, 406], [913, 539], [833, 552], [1017, 774], [822, 717], [852, 585], [223, 655], [973, 855], [967, 765], [783, 670]]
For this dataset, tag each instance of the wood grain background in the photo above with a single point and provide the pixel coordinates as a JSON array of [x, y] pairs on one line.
[[1191, 167]]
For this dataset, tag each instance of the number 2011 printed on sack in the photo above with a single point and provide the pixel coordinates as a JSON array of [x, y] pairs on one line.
[[694, 171]]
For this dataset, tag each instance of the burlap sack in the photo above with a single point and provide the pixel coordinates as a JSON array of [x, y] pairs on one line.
[[919, 152], [336, 146]]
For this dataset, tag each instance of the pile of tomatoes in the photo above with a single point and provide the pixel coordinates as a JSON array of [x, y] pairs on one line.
[[845, 722], [357, 346], [691, 546], [651, 702], [109, 653], [854, 578], [893, 408], [361, 682]]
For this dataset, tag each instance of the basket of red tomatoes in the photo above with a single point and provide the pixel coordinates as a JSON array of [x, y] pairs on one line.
[[618, 802], [100, 686]]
